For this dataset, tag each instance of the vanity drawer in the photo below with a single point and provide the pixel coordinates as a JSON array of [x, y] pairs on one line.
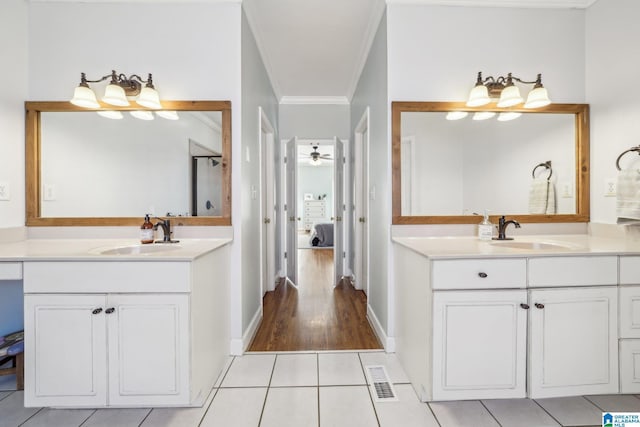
[[479, 273], [10, 270], [100, 277], [573, 271], [630, 270]]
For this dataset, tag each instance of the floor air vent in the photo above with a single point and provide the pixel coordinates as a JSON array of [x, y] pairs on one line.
[[381, 387]]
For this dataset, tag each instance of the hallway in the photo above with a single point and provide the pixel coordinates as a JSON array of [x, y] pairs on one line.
[[315, 316]]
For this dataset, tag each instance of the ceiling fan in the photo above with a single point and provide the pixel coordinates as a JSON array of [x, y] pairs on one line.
[[315, 157]]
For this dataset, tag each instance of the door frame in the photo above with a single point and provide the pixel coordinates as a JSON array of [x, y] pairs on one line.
[[267, 197], [361, 210]]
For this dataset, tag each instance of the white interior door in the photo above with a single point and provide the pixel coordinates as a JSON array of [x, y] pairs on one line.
[[361, 199], [338, 198], [268, 207], [291, 170]]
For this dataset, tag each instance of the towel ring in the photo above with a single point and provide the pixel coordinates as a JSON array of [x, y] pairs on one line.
[[636, 149], [546, 165]]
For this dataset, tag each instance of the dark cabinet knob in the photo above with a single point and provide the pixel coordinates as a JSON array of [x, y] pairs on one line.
[[482, 274], [540, 306], [110, 310], [97, 311], [525, 306]]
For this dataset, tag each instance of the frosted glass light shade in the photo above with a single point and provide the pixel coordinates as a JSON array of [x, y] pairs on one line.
[[83, 96], [167, 114], [483, 115], [110, 114], [537, 98], [142, 115], [149, 98], [478, 96], [505, 117], [315, 162], [114, 95], [456, 115], [509, 97]]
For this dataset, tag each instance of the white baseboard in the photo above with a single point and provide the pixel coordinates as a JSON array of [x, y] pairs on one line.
[[239, 346], [389, 343]]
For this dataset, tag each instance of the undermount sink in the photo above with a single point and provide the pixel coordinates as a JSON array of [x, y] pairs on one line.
[[515, 244], [138, 249]]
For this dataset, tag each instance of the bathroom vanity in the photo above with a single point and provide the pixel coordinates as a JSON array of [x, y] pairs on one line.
[[536, 317], [111, 323]]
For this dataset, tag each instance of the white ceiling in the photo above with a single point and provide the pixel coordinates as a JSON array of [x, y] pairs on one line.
[[314, 50]]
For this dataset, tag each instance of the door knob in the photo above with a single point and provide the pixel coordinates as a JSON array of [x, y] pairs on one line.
[[267, 221]]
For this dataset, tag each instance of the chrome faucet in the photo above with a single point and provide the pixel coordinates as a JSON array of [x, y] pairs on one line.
[[502, 228], [165, 224]]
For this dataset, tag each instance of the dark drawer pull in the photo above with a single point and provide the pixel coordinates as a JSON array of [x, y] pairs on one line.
[[97, 311], [110, 310], [525, 306], [540, 306], [482, 274]]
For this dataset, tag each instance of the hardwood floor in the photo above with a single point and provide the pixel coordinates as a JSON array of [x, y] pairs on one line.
[[316, 316]]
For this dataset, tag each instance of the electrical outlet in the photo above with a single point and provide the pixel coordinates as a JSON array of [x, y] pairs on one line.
[[49, 192], [610, 187], [566, 190], [4, 191]]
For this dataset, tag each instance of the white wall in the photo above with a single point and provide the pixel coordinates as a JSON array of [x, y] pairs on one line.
[[371, 92], [256, 92], [314, 121], [197, 57], [13, 74], [613, 67]]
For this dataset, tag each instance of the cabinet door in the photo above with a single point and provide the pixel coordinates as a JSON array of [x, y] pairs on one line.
[[629, 366], [479, 344], [573, 342], [148, 349], [65, 350], [630, 312]]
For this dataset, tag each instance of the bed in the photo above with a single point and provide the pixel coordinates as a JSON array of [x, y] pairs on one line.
[[322, 235]]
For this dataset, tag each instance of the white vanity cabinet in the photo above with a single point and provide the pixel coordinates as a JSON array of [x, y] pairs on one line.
[[573, 341], [136, 345], [510, 327], [125, 334], [630, 324], [479, 344]]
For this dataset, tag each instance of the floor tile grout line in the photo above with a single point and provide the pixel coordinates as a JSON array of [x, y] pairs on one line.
[[548, 413], [432, 413], [31, 416], [215, 392], [224, 376], [266, 395], [145, 417], [594, 404], [88, 418], [490, 413], [366, 380], [8, 394]]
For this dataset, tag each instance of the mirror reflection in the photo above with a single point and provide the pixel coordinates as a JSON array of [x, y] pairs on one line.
[[461, 167], [86, 168], [449, 166]]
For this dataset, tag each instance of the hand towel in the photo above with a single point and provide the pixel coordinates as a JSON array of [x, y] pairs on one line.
[[628, 196], [542, 197]]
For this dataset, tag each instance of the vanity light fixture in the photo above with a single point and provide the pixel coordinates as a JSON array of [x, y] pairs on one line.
[[456, 115], [111, 114], [508, 115], [142, 115], [508, 94], [167, 114], [119, 88], [483, 115]]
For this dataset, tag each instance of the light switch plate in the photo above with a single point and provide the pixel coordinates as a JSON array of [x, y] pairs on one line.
[[566, 189], [49, 192], [4, 191]]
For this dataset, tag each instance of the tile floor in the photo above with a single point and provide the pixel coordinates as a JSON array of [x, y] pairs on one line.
[[320, 389]]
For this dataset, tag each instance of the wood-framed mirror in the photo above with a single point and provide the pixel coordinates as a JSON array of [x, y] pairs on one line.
[[448, 171], [83, 169]]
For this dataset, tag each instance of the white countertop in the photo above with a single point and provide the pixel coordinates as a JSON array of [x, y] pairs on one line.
[[548, 245], [90, 250]]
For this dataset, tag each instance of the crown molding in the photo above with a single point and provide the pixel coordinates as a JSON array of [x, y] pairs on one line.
[[527, 4], [314, 100]]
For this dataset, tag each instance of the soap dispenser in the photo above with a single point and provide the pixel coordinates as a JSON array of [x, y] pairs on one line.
[[485, 228], [146, 230]]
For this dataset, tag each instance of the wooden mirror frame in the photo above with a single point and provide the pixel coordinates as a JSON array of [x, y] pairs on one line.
[[33, 165], [581, 113]]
